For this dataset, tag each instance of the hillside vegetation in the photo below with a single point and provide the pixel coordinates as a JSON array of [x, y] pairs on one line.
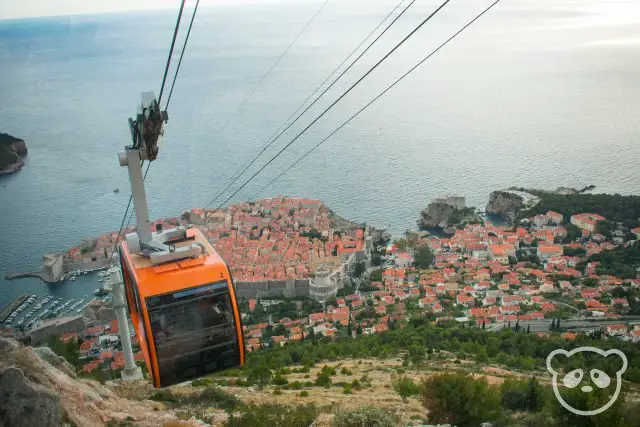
[[614, 207]]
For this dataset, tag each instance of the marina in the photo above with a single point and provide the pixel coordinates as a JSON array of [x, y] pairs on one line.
[[8, 310], [26, 311]]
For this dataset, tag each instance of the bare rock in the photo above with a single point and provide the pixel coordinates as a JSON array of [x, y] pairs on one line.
[[23, 403], [58, 361], [504, 203], [7, 345]]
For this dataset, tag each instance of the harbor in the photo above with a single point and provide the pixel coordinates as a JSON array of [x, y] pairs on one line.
[[28, 310], [12, 306]]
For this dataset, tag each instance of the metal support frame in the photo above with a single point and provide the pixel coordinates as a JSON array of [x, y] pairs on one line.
[[131, 371], [145, 132]]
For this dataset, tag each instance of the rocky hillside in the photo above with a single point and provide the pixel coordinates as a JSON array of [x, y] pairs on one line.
[[12, 150], [443, 215], [39, 388]]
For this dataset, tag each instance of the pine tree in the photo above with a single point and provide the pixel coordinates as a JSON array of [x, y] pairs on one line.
[[553, 324], [517, 326], [484, 324], [509, 324], [528, 328], [558, 324]]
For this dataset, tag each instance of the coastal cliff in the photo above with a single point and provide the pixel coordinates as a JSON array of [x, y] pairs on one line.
[[435, 216], [505, 203], [444, 212], [12, 150]]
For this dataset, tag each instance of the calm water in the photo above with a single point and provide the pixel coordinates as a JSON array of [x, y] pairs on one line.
[[536, 94]]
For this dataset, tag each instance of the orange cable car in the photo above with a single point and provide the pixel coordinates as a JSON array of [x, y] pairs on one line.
[[184, 312]]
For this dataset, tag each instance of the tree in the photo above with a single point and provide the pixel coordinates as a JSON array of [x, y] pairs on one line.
[[460, 400], [416, 354], [404, 386], [376, 275], [259, 374], [484, 324], [528, 328], [518, 395], [359, 269], [323, 379], [401, 244], [423, 257], [553, 324]]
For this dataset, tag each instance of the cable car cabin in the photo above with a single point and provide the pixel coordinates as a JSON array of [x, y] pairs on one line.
[[185, 313]]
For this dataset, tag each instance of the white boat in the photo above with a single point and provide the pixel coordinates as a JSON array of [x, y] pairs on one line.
[[73, 278]]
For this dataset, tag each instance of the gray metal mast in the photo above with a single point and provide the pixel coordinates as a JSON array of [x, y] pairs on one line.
[[146, 129]]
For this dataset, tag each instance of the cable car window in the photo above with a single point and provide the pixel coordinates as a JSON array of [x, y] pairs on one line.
[[194, 332]]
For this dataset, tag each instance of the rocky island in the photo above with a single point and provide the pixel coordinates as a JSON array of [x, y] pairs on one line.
[[12, 150], [446, 212]]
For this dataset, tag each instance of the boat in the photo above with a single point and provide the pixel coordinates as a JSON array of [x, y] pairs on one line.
[[73, 278], [100, 291], [117, 190], [100, 279]]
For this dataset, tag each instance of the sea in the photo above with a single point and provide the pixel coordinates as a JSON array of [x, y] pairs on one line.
[[534, 94]]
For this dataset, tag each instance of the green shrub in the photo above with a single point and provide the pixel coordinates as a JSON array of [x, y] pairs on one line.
[[448, 398], [272, 415], [277, 391], [404, 386], [212, 396], [304, 393], [345, 371], [323, 379], [328, 370], [347, 389], [296, 385], [279, 380], [200, 382], [369, 416], [163, 395]]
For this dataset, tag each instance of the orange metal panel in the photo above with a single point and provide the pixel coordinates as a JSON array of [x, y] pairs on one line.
[[171, 277]]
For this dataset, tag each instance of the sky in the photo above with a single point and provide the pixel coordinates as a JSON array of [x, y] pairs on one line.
[[12, 9]]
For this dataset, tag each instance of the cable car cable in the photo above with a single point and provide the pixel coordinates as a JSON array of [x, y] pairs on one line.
[[184, 47], [280, 131], [173, 43], [427, 19], [378, 96], [264, 77]]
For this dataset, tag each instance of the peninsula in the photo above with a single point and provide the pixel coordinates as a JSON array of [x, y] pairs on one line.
[[12, 150]]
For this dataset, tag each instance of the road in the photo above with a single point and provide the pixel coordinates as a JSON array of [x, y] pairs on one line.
[[575, 324]]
